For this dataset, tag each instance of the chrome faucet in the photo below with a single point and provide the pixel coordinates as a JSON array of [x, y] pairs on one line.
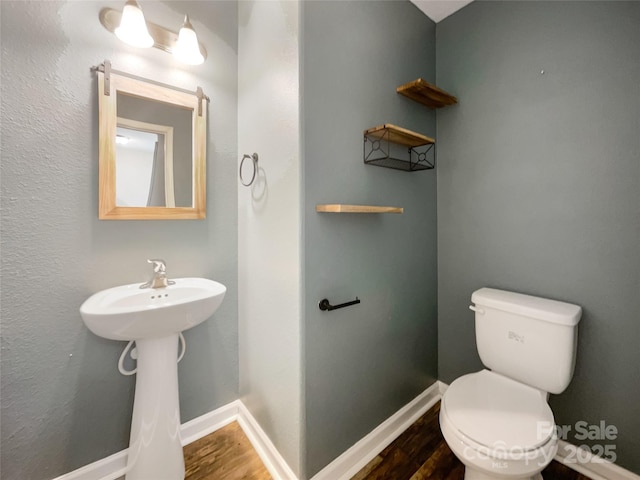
[[159, 279]]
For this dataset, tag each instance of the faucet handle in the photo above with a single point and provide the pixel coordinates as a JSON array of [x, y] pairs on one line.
[[159, 265], [159, 278]]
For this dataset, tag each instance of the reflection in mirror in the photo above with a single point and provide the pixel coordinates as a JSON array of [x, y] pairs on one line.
[[151, 116], [152, 150], [144, 165]]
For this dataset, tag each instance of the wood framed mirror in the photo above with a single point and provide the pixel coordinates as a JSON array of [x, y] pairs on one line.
[[152, 149]]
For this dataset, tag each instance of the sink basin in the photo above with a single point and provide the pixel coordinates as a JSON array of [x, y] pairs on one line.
[[131, 313]]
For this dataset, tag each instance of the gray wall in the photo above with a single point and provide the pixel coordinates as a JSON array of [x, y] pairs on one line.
[[539, 187], [64, 404], [364, 362]]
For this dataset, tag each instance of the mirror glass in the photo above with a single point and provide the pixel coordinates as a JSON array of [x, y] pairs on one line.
[[152, 151], [136, 153]]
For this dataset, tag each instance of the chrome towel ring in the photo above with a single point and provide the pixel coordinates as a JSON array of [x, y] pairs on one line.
[[254, 159]]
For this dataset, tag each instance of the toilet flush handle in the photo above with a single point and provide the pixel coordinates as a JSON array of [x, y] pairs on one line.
[[476, 309]]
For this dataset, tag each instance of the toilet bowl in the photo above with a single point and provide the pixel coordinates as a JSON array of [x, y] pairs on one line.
[[497, 421], [497, 427]]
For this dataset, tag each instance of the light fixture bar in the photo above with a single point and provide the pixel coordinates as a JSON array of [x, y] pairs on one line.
[[164, 39]]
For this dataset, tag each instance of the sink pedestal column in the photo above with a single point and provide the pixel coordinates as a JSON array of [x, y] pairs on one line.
[[155, 448]]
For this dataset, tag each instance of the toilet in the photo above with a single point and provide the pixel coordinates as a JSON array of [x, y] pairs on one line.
[[497, 421]]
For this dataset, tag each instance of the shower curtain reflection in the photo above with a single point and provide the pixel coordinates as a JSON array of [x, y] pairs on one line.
[[144, 165], [157, 194]]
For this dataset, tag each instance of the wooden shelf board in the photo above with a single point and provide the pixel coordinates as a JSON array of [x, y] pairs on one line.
[[427, 94], [399, 135], [342, 208]]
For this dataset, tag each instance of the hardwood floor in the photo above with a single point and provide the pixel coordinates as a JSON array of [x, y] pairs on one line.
[[226, 454], [420, 453]]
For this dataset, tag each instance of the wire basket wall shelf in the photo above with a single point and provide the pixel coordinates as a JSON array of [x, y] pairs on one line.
[[395, 147]]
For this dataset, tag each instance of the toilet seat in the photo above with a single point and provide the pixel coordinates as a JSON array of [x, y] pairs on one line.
[[496, 414]]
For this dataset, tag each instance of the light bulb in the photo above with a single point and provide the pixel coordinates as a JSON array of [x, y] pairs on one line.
[[133, 29], [122, 140], [187, 49]]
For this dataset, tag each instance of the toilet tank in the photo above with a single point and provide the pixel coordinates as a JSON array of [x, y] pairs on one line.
[[529, 339]]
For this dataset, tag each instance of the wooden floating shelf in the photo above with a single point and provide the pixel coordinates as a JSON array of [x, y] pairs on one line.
[[342, 208], [399, 135], [426, 94]]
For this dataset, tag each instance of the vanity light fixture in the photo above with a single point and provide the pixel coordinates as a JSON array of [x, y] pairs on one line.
[[187, 49], [131, 27]]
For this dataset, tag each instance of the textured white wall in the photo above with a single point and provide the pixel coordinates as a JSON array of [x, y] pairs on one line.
[[64, 404], [269, 221]]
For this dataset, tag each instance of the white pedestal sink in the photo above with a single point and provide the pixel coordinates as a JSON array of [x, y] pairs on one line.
[[154, 318]]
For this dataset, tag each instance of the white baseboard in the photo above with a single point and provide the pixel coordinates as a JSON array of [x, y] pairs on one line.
[[209, 422], [585, 462], [355, 458], [268, 453], [114, 466]]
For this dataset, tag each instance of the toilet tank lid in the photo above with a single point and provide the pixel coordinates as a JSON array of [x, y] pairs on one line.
[[544, 309]]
